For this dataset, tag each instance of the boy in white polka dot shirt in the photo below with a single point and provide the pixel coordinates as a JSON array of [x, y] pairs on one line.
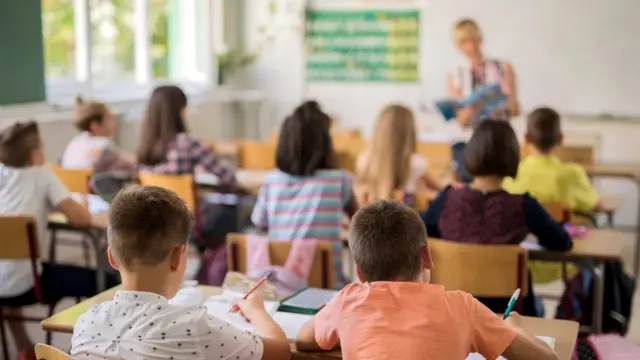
[[148, 232]]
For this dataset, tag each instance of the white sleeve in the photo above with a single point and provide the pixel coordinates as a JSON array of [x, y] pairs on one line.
[[227, 342], [56, 192]]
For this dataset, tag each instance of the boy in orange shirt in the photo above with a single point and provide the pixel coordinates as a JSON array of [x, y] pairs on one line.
[[396, 313]]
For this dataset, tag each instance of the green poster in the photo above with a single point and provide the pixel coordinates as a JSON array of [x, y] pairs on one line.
[[363, 46]]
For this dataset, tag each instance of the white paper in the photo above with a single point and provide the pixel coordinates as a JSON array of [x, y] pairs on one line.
[[550, 341], [220, 307]]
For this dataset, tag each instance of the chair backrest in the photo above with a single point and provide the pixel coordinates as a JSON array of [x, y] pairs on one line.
[[419, 200], [321, 275], [180, 184], [559, 212], [19, 240], [256, 155], [346, 161], [493, 271], [46, 352], [349, 141], [76, 181], [581, 155], [438, 154]]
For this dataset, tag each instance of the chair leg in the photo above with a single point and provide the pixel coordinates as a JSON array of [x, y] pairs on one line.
[[3, 337], [85, 251], [52, 247], [49, 336]]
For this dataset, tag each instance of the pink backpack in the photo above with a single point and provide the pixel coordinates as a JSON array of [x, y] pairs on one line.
[[214, 266]]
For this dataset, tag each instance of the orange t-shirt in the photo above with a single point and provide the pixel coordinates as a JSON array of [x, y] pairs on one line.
[[399, 320]]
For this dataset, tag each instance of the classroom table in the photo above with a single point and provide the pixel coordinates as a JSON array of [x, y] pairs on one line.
[[250, 180], [623, 171], [95, 232], [591, 251], [564, 332]]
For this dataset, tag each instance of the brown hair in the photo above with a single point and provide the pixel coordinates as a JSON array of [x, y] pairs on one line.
[[162, 122], [145, 224], [17, 142], [388, 158], [88, 112], [386, 238], [304, 144], [492, 150], [543, 129]]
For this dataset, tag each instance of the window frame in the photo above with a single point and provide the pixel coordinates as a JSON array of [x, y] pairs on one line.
[[62, 91]]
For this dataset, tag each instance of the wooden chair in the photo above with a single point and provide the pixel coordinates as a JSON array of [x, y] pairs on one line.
[[180, 184], [346, 161], [559, 212], [321, 275], [254, 155], [19, 241], [492, 271], [438, 154], [349, 141], [582, 155], [228, 149], [76, 181], [419, 200], [46, 352]]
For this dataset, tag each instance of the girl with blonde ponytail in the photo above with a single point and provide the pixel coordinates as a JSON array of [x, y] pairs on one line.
[[390, 162]]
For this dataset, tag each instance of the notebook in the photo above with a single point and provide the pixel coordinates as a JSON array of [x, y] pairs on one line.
[[307, 301], [549, 340]]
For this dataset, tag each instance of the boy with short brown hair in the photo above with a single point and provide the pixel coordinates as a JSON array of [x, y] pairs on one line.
[[148, 234], [27, 187], [396, 313]]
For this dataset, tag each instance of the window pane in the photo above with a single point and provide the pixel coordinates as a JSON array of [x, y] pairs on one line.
[[159, 30], [59, 38], [112, 48]]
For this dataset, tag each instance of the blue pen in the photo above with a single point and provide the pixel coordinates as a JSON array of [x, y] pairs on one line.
[[512, 303]]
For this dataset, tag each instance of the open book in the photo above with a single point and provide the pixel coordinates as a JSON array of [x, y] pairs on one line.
[[550, 341], [491, 97]]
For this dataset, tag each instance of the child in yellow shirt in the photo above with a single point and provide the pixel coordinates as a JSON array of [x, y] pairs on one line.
[[549, 179], [546, 177]]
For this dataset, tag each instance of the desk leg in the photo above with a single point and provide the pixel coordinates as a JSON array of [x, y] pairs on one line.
[[100, 266], [598, 299], [636, 264]]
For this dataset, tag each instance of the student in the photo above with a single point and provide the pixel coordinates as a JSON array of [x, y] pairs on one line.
[[306, 197], [29, 188], [546, 177], [484, 213], [390, 162], [166, 147], [396, 313], [148, 238], [92, 148]]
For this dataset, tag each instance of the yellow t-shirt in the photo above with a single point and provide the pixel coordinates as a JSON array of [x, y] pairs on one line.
[[404, 320], [548, 179]]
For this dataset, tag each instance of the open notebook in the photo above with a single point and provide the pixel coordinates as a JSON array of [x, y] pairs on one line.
[[550, 341]]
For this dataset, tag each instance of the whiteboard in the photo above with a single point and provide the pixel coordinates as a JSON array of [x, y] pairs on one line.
[[579, 56]]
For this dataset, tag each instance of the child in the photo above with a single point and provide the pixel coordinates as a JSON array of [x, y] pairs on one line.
[[92, 148], [29, 188], [545, 176], [305, 198], [483, 213], [391, 162], [396, 313], [148, 234]]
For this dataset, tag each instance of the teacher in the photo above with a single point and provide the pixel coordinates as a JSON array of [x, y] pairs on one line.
[[477, 72]]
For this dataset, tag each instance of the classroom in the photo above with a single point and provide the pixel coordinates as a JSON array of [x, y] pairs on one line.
[[319, 179]]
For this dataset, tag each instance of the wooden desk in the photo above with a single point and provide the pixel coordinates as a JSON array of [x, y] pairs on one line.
[[565, 332], [610, 203], [250, 180]]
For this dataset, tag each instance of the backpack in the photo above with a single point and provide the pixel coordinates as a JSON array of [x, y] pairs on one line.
[[605, 347], [619, 288]]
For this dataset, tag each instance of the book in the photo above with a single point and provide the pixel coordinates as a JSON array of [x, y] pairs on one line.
[[549, 340], [307, 301], [491, 96]]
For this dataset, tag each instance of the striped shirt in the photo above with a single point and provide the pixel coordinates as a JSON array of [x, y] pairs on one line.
[[305, 207]]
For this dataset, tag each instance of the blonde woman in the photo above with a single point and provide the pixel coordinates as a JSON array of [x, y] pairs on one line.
[[477, 72], [390, 162]]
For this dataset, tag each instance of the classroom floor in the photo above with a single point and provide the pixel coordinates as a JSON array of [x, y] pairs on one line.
[[73, 255]]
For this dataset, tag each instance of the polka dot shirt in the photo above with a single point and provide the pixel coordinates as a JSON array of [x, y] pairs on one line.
[[140, 325]]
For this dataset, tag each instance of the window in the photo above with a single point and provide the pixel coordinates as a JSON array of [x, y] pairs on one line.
[[95, 47]]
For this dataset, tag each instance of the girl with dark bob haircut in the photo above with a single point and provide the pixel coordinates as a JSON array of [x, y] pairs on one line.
[[482, 212], [307, 196]]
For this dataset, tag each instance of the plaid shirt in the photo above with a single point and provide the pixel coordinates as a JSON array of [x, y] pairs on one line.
[[185, 154]]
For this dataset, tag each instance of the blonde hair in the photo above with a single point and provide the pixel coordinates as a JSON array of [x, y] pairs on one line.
[[87, 112], [466, 29], [388, 157]]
